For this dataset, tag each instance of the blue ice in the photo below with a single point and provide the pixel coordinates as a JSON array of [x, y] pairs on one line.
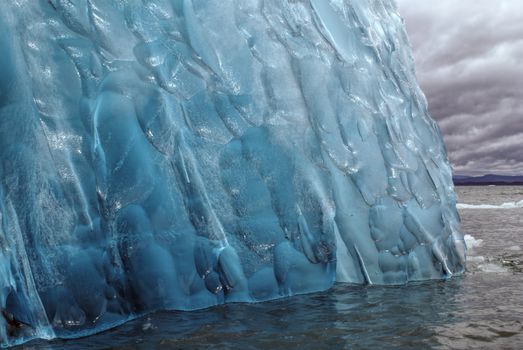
[[179, 154]]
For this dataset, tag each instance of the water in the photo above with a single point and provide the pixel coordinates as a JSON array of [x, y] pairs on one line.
[[481, 310]]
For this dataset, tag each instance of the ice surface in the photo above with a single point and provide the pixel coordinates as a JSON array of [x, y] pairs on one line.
[[178, 154]]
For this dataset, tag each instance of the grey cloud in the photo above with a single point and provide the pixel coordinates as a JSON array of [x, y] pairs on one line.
[[469, 61]]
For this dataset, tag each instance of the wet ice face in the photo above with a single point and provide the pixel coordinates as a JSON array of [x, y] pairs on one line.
[[183, 154]]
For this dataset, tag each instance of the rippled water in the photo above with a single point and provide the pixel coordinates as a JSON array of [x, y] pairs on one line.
[[481, 310]]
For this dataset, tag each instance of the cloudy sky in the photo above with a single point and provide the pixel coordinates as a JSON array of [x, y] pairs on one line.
[[469, 61]]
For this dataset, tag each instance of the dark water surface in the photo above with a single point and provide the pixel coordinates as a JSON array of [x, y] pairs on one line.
[[481, 310]]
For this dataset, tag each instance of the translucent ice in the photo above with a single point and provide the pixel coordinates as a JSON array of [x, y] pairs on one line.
[[178, 154]]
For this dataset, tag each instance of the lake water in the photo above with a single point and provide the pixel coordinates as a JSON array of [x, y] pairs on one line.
[[481, 310]]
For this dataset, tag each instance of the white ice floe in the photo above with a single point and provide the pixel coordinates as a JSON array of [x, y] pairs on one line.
[[475, 259], [508, 205], [472, 242], [492, 268]]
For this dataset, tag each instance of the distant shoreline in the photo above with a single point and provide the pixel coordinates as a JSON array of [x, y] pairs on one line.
[[489, 184], [487, 180]]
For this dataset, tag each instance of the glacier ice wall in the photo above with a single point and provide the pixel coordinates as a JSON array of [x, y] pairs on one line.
[[178, 154]]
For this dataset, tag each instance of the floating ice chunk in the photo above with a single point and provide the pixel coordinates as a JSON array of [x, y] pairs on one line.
[[475, 259], [492, 268], [472, 242]]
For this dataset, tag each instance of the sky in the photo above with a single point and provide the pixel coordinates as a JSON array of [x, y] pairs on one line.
[[469, 62]]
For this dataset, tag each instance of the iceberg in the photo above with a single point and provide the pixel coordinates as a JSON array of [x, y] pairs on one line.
[[179, 154]]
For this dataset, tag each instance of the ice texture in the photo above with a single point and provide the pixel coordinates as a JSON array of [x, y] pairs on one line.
[[178, 154]]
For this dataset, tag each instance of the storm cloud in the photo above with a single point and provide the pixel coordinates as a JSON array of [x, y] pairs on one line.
[[469, 62]]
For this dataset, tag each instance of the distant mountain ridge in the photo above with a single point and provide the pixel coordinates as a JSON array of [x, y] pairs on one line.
[[489, 179]]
